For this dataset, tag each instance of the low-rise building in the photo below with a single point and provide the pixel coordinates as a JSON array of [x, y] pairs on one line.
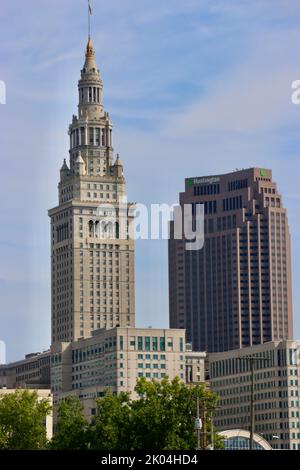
[[115, 359], [276, 391], [31, 372], [195, 365]]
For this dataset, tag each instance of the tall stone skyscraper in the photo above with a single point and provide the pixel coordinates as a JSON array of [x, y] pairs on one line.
[[92, 265], [236, 290]]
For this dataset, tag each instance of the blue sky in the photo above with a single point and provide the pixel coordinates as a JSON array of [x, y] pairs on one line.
[[193, 87]]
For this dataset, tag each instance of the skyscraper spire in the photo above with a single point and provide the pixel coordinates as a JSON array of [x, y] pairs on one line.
[[90, 63], [89, 47]]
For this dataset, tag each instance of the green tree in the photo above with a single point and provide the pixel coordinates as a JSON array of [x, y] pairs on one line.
[[161, 418], [164, 414], [71, 426], [22, 421], [110, 428]]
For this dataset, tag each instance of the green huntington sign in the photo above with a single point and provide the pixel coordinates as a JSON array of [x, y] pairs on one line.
[[263, 172], [208, 180]]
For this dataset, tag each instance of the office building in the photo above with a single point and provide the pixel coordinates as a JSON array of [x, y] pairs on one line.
[[114, 359], [235, 291], [276, 391], [31, 372]]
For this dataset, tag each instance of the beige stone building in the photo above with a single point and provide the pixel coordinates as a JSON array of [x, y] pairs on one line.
[[195, 366], [42, 395], [276, 391], [115, 359], [92, 256], [31, 372]]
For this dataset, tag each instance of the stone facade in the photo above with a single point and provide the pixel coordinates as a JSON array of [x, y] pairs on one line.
[[31, 372], [115, 359]]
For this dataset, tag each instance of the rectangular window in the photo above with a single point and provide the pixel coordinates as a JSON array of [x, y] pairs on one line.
[[154, 343], [97, 140], [147, 343], [162, 344], [91, 135], [140, 343], [82, 136]]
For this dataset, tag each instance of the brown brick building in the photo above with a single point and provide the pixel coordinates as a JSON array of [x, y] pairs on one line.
[[236, 290]]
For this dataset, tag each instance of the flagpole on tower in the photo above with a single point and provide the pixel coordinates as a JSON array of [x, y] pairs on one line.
[[89, 17]]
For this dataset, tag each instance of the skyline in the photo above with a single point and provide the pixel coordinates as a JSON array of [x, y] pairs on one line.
[[168, 85]]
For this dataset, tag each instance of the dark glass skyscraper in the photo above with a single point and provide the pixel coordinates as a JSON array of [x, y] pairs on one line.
[[236, 290]]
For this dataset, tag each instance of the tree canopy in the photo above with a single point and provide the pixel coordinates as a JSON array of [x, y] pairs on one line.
[[71, 426], [162, 417], [22, 421]]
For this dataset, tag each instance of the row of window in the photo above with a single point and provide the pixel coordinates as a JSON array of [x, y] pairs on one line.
[[91, 136], [204, 190], [232, 203], [237, 184], [89, 95], [106, 187], [107, 196]]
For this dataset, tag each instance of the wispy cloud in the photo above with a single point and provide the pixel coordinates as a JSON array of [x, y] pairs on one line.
[[58, 59], [254, 97]]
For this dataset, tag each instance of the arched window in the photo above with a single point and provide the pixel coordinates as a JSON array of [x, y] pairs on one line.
[[91, 228], [102, 229], [109, 230], [97, 229]]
